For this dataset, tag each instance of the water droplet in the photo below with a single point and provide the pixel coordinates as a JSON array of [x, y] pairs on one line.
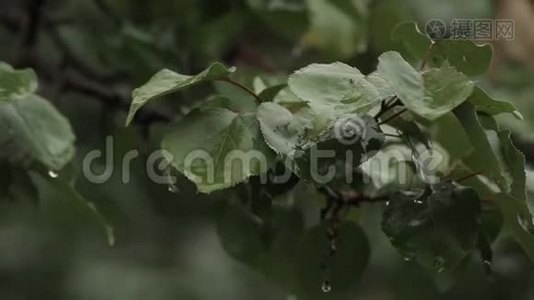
[[326, 287], [418, 202], [488, 267], [407, 259], [387, 203], [173, 188], [53, 174], [413, 194], [439, 264], [415, 223], [526, 223]]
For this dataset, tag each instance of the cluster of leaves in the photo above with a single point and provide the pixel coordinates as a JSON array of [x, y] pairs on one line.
[[435, 107], [37, 143]]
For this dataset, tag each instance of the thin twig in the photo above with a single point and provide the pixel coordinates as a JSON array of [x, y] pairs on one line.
[[393, 117], [427, 55], [462, 179], [244, 88], [387, 107], [33, 22]]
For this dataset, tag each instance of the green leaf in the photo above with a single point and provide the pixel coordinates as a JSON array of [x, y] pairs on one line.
[[430, 95], [346, 267], [268, 94], [381, 85], [449, 132], [360, 99], [237, 104], [515, 163], [34, 130], [268, 245], [438, 229], [518, 222], [15, 84], [67, 193], [281, 129], [486, 104], [241, 234], [217, 148], [404, 81], [333, 89], [22, 188], [496, 152], [336, 27], [466, 56], [445, 89], [167, 81], [415, 42], [484, 159]]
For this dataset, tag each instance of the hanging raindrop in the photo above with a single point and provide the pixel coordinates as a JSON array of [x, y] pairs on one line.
[[439, 264], [526, 223], [326, 287], [488, 267], [173, 188], [53, 174]]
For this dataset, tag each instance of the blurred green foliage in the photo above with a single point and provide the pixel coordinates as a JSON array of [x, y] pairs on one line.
[[89, 55]]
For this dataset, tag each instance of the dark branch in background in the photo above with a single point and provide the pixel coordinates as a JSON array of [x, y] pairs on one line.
[[9, 21], [105, 9], [72, 75], [33, 21], [72, 59]]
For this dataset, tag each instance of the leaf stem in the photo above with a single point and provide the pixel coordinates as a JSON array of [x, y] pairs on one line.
[[387, 106], [393, 117], [427, 55], [244, 88], [459, 180]]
